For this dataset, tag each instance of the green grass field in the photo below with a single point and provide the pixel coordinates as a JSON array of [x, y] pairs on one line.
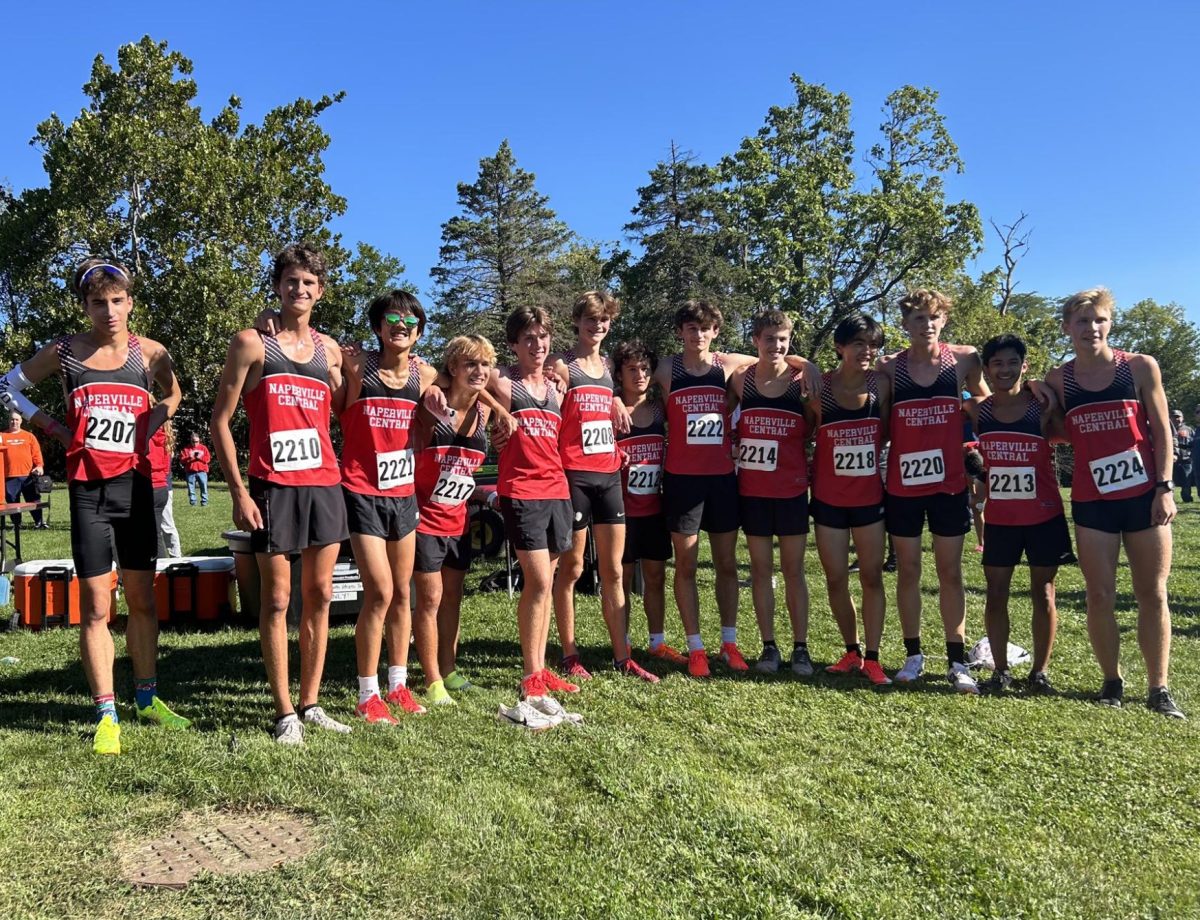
[[741, 797]]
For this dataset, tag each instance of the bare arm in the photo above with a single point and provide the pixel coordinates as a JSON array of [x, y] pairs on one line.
[[883, 384], [973, 373], [245, 352], [161, 370]]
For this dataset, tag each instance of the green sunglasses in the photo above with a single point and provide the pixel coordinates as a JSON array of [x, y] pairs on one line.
[[394, 319]]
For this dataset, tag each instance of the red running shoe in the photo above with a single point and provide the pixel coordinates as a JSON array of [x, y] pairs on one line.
[[375, 711], [698, 663], [534, 685], [873, 672], [554, 684], [850, 663], [732, 658], [665, 653], [631, 668], [573, 668], [403, 698]]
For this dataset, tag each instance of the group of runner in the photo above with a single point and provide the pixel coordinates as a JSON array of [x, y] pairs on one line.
[[584, 445]]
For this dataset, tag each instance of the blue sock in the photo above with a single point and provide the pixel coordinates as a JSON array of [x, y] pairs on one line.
[[106, 705], [144, 691]]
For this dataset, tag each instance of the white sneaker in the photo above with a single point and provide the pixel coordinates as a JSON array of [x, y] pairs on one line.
[[524, 715], [914, 667], [289, 731], [553, 710], [315, 715], [960, 678]]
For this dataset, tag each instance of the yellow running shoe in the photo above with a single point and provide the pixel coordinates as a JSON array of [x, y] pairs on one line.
[[158, 713], [108, 737]]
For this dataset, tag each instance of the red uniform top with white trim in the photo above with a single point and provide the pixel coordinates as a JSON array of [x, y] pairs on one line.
[[530, 466], [641, 480], [160, 459], [377, 458], [845, 470], [587, 442], [106, 414], [926, 425], [289, 419], [698, 441], [446, 477], [770, 441], [1110, 432], [1022, 488]]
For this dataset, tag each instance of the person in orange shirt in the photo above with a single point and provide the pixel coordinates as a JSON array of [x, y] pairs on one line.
[[23, 465]]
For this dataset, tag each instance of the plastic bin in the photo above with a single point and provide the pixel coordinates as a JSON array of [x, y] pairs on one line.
[[46, 593]]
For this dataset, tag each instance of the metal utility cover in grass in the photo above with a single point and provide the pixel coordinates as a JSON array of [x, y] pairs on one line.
[[222, 844]]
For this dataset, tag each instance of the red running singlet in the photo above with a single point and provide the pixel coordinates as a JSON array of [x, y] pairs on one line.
[[1022, 489], [530, 466], [377, 458], [845, 470], [927, 432], [160, 460], [641, 480], [1110, 433], [289, 419], [446, 477], [106, 414], [771, 462], [587, 442], [698, 442]]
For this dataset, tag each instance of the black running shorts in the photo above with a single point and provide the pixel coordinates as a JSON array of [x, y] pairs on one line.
[[435, 553], [596, 498], [297, 517], [839, 518], [1045, 545], [110, 514], [696, 503], [949, 515], [647, 538], [389, 517], [774, 517], [538, 523], [1121, 515]]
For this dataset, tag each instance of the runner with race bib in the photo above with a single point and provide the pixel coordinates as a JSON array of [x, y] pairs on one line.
[[377, 408], [772, 479], [925, 476], [451, 450], [106, 374], [647, 541], [294, 503], [1121, 489], [588, 448], [1024, 508], [847, 490]]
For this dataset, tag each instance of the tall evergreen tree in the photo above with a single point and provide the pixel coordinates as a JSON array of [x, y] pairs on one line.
[[499, 253]]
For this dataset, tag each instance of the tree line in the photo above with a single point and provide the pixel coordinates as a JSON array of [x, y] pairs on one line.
[[802, 216]]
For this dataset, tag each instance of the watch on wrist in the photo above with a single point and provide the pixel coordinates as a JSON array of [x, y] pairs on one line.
[[1165, 485]]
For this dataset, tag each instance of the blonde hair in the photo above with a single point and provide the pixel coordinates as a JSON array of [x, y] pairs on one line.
[[925, 298], [1094, 297], [471, 347], [595, 303]]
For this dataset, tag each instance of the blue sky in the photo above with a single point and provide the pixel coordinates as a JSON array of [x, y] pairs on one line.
[[1083, 115]]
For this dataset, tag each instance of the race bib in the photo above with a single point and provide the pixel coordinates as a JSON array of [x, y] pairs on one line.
[[644, 478], [1011, 482], [597, 437], [756, 454], [394, 469], [1119, 471], [705, 428], [922, 468], [452, 489], [298, 449], [854, 460], [110, 429]]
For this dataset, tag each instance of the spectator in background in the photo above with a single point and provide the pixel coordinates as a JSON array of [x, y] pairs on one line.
[[194, 459], [23, 466], [162, 445], [1184, 436]]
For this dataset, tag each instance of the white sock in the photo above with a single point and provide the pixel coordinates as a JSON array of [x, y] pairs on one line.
[[729, 634], [695, 643], [397, 676], [656, 639], [367, 688]]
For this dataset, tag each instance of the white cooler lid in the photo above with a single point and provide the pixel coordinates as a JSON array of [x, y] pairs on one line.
[[203, 563]]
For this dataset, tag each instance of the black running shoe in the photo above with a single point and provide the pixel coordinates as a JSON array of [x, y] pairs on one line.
[[1160, 701], [996, 684], [1111, 693], [889, 564], [1039, 684]]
